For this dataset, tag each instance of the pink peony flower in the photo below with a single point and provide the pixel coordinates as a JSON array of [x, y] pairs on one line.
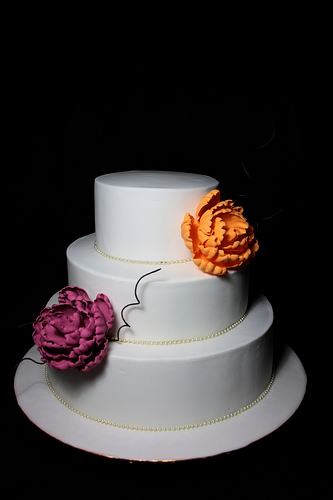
[[73, 333]]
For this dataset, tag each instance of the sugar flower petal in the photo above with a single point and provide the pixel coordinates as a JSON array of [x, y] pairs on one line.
[[207, 202], [189, 230]]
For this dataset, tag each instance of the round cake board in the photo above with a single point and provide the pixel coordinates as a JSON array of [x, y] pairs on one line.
[[43, 409]]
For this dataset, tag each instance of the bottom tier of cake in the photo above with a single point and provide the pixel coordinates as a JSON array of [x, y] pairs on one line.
[[144, 386]]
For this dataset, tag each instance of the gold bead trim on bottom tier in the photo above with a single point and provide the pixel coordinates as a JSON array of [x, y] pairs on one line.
[[162, 429], [144, 262], [183, 341]]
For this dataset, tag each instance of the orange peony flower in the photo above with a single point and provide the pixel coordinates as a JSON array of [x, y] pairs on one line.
[[220, 238]]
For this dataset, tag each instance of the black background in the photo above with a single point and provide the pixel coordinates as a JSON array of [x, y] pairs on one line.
[[245, 122]]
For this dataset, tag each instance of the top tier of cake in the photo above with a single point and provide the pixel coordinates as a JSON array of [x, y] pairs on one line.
[[138, 214]]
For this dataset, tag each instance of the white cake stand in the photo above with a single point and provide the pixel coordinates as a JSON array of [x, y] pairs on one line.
[[42, 408]]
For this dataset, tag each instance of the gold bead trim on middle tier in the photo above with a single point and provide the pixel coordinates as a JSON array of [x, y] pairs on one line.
[[144, 262], [183, 341]]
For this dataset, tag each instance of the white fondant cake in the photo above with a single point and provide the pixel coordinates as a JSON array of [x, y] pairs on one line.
[[189, 352]]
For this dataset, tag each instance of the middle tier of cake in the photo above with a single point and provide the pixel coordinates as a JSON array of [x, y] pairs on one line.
[[177, 303]]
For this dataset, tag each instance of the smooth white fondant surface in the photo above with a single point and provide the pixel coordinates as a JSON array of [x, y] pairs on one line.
[[42, 408], [138, 214], [178, 302], [165, 386]]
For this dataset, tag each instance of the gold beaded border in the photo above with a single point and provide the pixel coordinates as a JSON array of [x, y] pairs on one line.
[[144, 262], [183, 341], [162, 429]]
